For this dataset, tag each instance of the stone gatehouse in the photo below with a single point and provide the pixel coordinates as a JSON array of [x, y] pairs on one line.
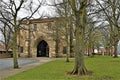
[[37, 38]]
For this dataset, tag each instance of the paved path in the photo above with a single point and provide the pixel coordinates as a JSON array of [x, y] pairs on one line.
[[6, 64], [12, 71]]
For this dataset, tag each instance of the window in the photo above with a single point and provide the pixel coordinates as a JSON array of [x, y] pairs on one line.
[[21, 49], [49, 26], [35, 27], [64, 50]]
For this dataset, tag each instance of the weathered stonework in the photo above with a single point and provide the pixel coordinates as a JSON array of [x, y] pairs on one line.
[[35, 31]]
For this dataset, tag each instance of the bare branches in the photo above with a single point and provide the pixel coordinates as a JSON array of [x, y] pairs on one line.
[[20, 5], [13, 7], [7, 35], [33, 12]]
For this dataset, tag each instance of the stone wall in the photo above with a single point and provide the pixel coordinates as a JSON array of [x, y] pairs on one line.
[[44, 31], [5, 55]]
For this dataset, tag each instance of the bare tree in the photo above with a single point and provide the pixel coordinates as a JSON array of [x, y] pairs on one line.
[[62, 9], [13, 7], [111, 11], [79, 12], [6, 32]]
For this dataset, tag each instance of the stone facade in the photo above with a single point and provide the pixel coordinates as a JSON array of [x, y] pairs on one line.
[[37, 38]]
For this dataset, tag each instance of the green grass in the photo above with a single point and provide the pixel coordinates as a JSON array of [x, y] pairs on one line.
[[103, 68]]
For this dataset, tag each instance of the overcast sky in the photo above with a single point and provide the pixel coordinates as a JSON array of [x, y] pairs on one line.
[[44, 10]]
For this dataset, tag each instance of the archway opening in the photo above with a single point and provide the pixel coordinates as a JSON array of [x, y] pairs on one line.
[[42, 49]]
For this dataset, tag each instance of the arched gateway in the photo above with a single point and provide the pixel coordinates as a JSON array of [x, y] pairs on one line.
[[37, 38], [42, 49]]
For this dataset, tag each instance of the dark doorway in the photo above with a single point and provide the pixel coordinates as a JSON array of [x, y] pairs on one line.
[[42, 49]]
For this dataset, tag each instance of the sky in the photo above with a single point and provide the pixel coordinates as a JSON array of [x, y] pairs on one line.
[[43, 11]]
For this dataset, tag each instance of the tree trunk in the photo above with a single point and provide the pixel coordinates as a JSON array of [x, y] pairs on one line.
[[15, 47], [15, 55], [80, 22], [57, 42], [68, 49], [68, 43], [115, 51], [88, 51], [71, 41], [79, 67], [89, 48], [56, 47]]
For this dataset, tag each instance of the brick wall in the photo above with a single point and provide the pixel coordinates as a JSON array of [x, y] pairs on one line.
[[5, 55]]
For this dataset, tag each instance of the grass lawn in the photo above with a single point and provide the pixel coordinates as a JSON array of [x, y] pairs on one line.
[[103, 68]]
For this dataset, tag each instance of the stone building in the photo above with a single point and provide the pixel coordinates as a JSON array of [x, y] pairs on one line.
[[38, 37]]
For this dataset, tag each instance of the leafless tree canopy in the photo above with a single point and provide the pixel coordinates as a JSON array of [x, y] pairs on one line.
[[9, 16]]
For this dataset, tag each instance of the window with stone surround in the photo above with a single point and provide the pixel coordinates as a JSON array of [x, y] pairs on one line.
[[21, 49], [35, 27], [49, 26]]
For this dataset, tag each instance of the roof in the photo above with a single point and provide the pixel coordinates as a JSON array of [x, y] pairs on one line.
[[43, 20], [2, 48]]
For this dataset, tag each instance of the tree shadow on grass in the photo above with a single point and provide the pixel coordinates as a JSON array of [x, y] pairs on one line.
[[89, 73]]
